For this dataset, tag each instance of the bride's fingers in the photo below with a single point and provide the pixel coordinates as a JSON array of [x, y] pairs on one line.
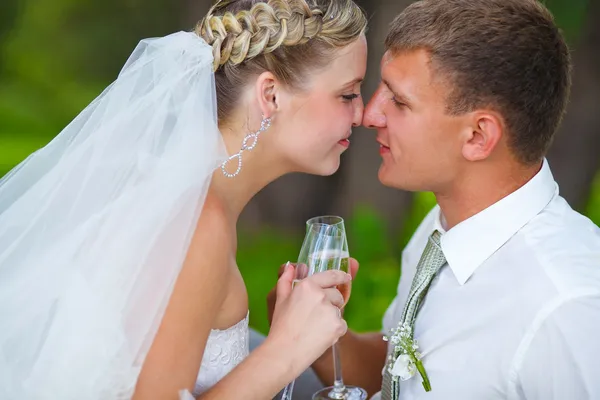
[[330, 278], [282, 268], [284, 284], [353, 267], [335, 297], [345, 290], [341, 326]]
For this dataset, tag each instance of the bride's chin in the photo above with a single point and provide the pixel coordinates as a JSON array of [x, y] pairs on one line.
[[325, 167], [330, 168]]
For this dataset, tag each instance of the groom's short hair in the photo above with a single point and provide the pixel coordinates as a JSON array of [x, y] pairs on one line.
[[504, 54]]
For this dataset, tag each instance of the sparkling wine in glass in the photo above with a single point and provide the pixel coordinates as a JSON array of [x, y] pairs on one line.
[[338, 223]]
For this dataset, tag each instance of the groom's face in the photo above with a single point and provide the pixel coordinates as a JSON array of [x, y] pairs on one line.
[[419, 141]]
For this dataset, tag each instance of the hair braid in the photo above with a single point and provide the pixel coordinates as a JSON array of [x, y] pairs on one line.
[[246, 34]]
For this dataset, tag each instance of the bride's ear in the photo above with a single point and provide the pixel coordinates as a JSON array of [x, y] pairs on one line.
[[267, 92]]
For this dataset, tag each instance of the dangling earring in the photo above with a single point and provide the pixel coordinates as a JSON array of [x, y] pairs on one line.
[[264, 125]]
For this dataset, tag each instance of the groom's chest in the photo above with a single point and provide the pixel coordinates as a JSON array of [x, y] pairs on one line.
[[468, 334]]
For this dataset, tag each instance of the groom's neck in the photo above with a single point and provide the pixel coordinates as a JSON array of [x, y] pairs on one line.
[[479, 188]]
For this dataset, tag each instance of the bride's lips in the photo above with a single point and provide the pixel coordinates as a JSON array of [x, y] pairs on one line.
[[345, 142]]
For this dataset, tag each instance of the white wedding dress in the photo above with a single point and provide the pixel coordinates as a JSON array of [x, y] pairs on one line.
[[95, 227], [224, 350]]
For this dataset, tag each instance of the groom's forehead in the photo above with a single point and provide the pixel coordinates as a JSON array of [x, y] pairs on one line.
[[409, 75], [413, 65]]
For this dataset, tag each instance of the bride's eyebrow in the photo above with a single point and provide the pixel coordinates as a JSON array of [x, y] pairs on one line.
[[353, 82]]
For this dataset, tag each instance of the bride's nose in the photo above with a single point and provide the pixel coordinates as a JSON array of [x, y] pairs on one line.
[[359, 108]]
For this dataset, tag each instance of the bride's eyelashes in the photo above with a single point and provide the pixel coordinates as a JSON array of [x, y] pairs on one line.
[[350, 97]]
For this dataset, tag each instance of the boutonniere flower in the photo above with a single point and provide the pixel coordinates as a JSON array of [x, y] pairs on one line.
[[409, 358]]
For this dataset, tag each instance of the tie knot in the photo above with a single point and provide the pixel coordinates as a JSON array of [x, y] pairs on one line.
[[433, 257], [436, 238]]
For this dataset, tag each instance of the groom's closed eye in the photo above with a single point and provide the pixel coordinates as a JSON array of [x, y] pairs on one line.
[[397, 98], [399, 103]]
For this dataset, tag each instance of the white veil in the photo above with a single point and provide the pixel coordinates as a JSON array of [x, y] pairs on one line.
[[94, 227]]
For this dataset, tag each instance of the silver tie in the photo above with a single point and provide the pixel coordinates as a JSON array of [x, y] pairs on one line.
[[430, 263]]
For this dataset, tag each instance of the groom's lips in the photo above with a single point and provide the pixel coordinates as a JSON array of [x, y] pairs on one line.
[[383, 149]]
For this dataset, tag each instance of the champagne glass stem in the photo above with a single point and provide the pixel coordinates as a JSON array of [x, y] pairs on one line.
[[338, 381], [287, 392]]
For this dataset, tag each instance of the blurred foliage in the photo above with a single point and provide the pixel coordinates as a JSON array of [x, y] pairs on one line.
[[57, 55], [569, 16]]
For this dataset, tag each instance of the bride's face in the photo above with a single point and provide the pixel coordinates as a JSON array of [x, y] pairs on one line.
[[315, 124]]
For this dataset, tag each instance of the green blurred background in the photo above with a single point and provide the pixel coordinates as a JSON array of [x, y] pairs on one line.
[[57, 55]]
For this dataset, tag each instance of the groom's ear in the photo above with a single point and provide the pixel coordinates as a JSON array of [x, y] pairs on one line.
[[483, 132], [267, 93]]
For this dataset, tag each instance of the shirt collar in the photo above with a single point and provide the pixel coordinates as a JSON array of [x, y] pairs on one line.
[[467, 245]]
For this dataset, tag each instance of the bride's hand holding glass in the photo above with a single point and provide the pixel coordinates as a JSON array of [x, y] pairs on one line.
[[344, 289], [307, 319]]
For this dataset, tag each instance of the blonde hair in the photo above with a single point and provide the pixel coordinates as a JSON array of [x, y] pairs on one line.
[[286, 37]]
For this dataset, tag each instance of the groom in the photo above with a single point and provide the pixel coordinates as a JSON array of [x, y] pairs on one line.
[[501, 281]]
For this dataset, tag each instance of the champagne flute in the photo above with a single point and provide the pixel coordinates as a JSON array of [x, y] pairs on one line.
[[322, 250], [338, 223], [339, 391]]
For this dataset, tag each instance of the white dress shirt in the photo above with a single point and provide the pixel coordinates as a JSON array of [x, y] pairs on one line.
[[515, 312]]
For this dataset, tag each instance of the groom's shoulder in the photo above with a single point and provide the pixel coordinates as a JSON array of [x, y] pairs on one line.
[[560, 228], [567, 246]]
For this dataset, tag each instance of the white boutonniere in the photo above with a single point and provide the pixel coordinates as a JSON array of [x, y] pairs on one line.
[[409, 360]]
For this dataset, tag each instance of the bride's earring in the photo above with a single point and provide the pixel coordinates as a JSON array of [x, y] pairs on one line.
[[264, 125]]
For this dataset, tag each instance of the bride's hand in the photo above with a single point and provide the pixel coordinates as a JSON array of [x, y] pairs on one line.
[[307, 319], [345, 289]]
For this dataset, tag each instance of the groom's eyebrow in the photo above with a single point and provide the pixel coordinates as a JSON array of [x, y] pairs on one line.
[[397, 95]]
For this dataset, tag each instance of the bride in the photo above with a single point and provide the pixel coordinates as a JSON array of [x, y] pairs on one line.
[[118, 275]]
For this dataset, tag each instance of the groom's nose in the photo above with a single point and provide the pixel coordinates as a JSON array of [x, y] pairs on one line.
[[373, 116]]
